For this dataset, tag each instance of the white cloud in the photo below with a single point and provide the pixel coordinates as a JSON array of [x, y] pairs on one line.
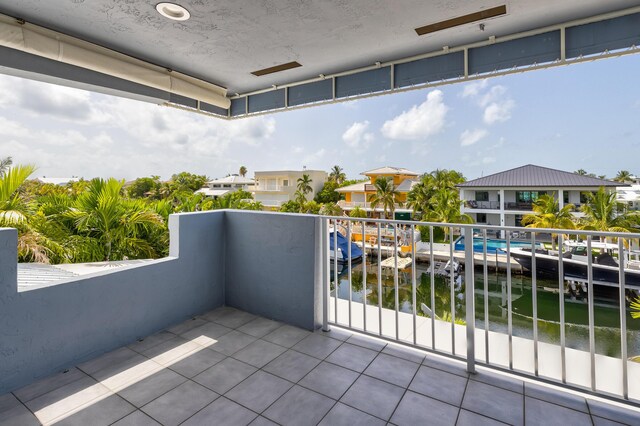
[[488, 160], [473, 89], [469, 137], [419, 122], [495, 102], [313, 159], [498, 111], [356, 136]]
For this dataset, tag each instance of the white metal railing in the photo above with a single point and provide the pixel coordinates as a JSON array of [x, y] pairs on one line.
[[271, 187], [365, 205], [400, 320]]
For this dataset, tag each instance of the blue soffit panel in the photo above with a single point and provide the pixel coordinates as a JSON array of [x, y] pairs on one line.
[[427, 70], [183, 100], [311, 92], [273, 99], [597, 37], [213, 109], [238, 106], [536, 49], [375, 80]]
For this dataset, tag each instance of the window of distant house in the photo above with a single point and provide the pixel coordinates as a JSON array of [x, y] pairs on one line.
[[565, 197], [226, 185], [285, 182], [217, 185], [482, 196], [528, 196], [481, 217], [584, 197]]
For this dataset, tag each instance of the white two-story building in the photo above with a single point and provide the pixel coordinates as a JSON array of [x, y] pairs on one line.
[[505, 198], [274, 188], [226, 185]]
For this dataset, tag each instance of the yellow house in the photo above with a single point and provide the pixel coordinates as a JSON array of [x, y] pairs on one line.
[[359, 194]]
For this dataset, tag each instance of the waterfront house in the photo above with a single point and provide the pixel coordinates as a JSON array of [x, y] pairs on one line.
[[504, 198], [274, 188], [629, 195], [359, 194], [226, 185]]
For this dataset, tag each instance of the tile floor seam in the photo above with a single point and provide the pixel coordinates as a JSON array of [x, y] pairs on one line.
[[406, 389], [215, 400], [466, 384], [25, 405], [555, 403], [483, 415], [347, 390]]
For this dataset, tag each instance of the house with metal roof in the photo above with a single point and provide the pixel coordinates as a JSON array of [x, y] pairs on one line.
[[359, 194], [226, 185], [504, 198]]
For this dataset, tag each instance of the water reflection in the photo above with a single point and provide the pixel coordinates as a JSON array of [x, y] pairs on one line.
[[606, 312]]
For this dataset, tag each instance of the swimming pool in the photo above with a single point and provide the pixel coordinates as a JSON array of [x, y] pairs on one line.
[[493, 245]]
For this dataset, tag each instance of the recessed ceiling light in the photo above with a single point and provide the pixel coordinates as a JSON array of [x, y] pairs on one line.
[[173, 11]]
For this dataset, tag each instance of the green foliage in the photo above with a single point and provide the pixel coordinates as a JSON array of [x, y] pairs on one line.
[[439, 235], [141, 187], [186, 182], [548, 214], [337, 175], [635, 308], [601, 213], [357, 212], [331, 209], [291, 206], [328, 193]]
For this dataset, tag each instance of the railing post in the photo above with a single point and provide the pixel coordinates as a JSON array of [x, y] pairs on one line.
[[469, 280], [325, 274]]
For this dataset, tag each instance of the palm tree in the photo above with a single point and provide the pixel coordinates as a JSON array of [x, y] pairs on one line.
[[330, 209], [446, 209], [242, 171], [304, 185], [601, 213], [357, 212], [13, 207], [581, 172], [623, 176], [337, 175], [116, 224], [386, 196], [421, 196], [5, 163], [548, 214]]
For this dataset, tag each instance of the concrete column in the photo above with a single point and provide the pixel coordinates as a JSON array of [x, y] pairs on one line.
[[560, 198], [462, 199], [502, 221]]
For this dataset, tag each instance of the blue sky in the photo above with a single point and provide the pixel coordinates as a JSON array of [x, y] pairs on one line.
[[579, 116]]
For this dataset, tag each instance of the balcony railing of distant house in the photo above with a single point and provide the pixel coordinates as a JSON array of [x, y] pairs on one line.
[[489, 205], [271, 187], [365, 205], [386, 298]]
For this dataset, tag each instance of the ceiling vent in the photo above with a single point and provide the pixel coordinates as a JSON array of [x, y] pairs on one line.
[[461, 20], [277, 68]]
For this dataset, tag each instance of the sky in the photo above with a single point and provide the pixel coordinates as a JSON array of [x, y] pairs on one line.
[[583, 116]]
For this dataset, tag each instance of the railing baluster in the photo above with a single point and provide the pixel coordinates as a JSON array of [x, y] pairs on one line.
[[623, 319], [470, 299], [379, 282], [592, 336], [534, 299], [395, 279], [485, 271], [364, 278], [432, 275], [336, 284], [349, 266], [414, 285], [326, 275], [452, 293], [563, 358], [509, 301]]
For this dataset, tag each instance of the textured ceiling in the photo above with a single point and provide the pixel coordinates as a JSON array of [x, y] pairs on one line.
[[225, 40]]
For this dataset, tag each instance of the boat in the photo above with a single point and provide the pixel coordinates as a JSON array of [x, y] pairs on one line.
[[343, 248], [606, 270]]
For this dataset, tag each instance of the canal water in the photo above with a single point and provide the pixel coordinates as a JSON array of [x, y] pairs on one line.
[[606, 311]]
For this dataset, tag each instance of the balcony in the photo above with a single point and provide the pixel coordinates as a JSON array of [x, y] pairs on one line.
[[488, 205], [260, 188], [228, 328], [367, 206]]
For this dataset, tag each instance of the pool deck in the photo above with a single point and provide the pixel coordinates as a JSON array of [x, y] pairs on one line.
[[229, 367]]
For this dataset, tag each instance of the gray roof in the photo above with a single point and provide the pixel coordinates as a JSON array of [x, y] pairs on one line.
[[536, 176]]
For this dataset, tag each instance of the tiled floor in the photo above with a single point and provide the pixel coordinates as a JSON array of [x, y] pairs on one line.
[[228, 367]]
